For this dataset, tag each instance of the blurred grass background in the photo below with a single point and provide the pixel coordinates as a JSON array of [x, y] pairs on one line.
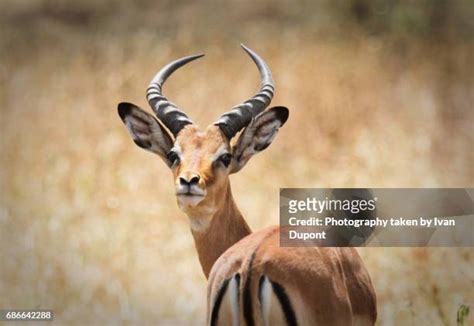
[[381, 94]]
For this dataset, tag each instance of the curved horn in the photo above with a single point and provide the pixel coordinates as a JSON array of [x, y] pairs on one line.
[[166, 111], [240, 116]]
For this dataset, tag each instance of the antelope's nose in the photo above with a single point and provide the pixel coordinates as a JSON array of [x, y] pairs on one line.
[[190, 180]]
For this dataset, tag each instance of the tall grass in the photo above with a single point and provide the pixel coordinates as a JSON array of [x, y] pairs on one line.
[[88, 222]]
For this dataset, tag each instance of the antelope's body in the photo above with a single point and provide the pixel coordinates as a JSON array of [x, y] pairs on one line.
[[257, 282], [252, 281]]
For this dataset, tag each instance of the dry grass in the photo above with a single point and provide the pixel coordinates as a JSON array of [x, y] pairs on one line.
[[88, 222]]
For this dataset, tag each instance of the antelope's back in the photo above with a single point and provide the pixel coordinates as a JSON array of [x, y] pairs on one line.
[[257, 282]]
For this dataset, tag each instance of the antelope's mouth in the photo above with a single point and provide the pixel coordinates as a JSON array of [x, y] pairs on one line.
[[190, 199], [189, 194]]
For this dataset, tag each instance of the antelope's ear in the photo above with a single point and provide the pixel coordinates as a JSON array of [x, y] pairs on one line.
[[258, 135], [145, 130]]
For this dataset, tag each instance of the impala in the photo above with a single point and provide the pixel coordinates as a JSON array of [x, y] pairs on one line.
[[252, 280]]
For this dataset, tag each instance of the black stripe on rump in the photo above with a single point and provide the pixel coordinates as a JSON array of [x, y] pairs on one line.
[[237, 279], [285, 304], [248, 313], [260, 288], [218, 302]]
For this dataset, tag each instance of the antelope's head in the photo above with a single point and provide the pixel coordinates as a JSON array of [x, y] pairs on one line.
[[201, 160]]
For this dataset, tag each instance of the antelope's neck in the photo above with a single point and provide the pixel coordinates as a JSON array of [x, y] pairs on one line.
[[227, 226]]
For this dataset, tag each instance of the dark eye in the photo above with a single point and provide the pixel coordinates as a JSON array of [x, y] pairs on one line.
[[173, 158], [225, 159]]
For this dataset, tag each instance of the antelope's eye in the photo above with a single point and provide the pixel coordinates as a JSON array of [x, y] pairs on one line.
[[173, 158], [225, 159]]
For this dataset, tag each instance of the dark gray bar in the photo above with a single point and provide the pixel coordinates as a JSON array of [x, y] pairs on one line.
[[26, 315], [376, 217]]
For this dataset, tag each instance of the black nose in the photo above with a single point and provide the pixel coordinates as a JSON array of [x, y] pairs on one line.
[[191, 182]]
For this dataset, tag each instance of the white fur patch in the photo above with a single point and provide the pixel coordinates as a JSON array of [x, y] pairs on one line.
[[266, 299], [189, 202], [221, 150], [177, 148], [234, 301], [199, 224]]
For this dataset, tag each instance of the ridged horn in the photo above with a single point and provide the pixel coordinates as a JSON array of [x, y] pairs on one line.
[[171, 116], [240, 115]]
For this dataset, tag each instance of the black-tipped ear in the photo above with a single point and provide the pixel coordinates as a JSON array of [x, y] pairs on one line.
[[281, 113], [124, 109], [145, 130], [258, 135]]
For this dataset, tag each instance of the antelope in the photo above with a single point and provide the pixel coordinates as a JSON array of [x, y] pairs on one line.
[[251, 279]]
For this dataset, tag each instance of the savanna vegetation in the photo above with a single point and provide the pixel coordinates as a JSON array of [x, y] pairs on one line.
[[381, 94]]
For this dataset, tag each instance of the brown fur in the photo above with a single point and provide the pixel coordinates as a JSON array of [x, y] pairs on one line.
[[328, 286], [198, 149], [325, 286], [227, 227]]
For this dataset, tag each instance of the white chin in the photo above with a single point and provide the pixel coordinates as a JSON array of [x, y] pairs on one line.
[[187, 201]]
